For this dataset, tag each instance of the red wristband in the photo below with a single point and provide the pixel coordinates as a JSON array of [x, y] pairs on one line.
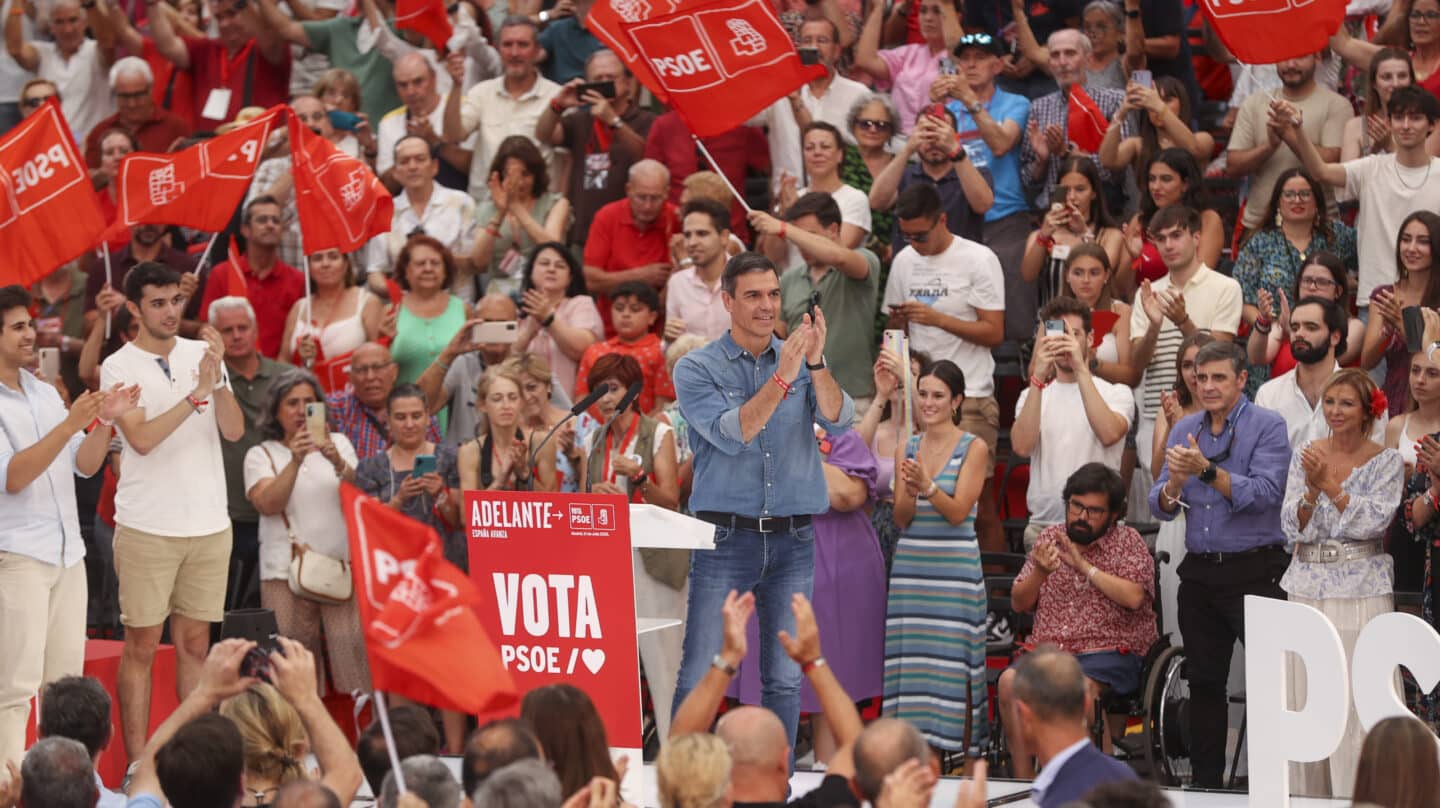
[[1039, 385], [782, 230], [556, 108], [784, 385]]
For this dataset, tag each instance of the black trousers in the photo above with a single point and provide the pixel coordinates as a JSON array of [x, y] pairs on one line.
[[1212, 618]]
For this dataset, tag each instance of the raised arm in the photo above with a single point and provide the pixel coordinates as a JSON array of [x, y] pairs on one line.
[[278, 25], [1396, 29], [1030, 47], [1283, 118], [804, 648], [167, 41], [293, 669], [867, 49], [125, 34], [21, 51], [850, 262], [98, 18], [697, 712]]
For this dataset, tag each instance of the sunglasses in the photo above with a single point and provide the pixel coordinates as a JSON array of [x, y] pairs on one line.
[[35, 101], [874, 125]]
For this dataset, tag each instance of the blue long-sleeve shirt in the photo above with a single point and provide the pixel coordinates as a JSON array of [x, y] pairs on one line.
[[778, 472], [1259, 457]]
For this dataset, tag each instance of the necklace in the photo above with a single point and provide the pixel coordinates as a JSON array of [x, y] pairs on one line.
[[1429, 163]]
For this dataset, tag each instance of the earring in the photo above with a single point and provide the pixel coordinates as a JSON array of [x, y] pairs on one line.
[[1278, 220]]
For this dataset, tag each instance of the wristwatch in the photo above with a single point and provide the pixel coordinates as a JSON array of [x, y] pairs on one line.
[[1132, 14], [719, 663], [817, 366], [544, 17], [1208, 475], [617, 123]]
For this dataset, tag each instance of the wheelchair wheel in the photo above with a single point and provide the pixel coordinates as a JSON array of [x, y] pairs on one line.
[[1167, 719]]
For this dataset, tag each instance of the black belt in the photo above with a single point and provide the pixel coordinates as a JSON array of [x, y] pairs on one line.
[[764, 524], [1220, 558]]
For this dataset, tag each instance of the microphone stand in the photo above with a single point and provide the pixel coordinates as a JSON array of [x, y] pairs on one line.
[[535, 452]]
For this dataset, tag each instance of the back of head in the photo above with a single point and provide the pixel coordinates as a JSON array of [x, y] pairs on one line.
[[522, 784], [1050, 682], [428, 778], [819, 204], [1398, 766], [305, 794], [693, 771], [1126, 794], [920, 200], [493, 746], [414, 732], [571, 733], [755, 736], [78, 708], [203, 764], [275, 740], [881, 748], [58, 773]]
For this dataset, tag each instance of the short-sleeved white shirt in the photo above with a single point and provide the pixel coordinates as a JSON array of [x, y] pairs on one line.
[[84, 85], [313, 510], [178, 489], [1303, 423], [392, 129], [1387, 194], [958, 282], [1067, 442], [1213, 303]]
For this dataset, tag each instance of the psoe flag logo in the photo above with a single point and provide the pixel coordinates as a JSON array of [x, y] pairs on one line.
[[585, 517]]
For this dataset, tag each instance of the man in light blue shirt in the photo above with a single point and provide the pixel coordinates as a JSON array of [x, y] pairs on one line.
[[42, 580], [752, 402]]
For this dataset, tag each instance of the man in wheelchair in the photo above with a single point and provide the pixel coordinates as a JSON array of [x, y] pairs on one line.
[[1091, 584]]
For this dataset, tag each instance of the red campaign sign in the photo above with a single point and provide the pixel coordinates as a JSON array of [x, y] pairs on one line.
[[1249, 27], [558, 596], [48, 211]]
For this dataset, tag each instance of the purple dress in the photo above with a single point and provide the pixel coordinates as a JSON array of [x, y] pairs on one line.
[[849, 595]]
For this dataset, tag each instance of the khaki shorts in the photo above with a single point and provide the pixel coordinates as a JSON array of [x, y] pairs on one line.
[[981, 418], [160, 575]]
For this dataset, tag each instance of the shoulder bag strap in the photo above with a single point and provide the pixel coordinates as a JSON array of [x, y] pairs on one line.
[[295, 546]]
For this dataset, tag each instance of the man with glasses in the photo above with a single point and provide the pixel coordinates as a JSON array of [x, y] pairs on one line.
[[74, 62], [271, 285], [34, 95], [359, 413], [155, 129], [1091, 583], [949, 293], [1225, 468], [630, 238]]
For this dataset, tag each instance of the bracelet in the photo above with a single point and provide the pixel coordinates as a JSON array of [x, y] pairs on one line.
[[1037, 384], [934, 487], [556, 108], [442, 363], [1048, 242], [719, 663], [784, 385], [1174, 501], [1307, 504], [817, 662], [781, 234], [1090, 576], [1262, 326], [545, 323]]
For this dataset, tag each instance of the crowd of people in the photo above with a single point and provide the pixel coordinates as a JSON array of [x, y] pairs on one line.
[[929, 283]]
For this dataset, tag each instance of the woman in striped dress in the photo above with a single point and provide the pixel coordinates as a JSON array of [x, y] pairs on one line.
[[935, 617]]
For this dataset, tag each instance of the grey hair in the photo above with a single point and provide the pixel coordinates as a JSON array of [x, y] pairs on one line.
[[1086, 46], [280, 388], [518, 21], [58, 773], [528, 783], [1223, 351], [606, 52], [866, 100], [131, 66], [230, 303], [648, 164], [428, 777], [1112, 9]]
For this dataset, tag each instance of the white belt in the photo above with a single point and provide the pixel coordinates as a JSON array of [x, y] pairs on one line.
[[1330, 552]]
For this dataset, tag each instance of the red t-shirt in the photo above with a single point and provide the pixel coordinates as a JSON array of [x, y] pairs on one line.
[[647, 352], [212, 67], [271, 296], [171, 84], [615, 244]]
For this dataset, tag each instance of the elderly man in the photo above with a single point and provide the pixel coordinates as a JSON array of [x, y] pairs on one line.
[[600, 162], [360, 413], [247, 65], [424, 206], [155, 129], [421, 114], [73, 61], [509, 104], [630, 238]]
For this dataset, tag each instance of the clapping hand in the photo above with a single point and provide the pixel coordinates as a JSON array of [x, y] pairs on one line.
[[916, 480], [736, 612], [794, 351], [1378, 127], [1427, 454], [1151, 302], [1387, 305], [1174, 303], [1316, 463], [1046, 556], [1265, 303], [84, 409], [499, 192], [804, 647], [1186, 461], [118, 401], [1170, 404]]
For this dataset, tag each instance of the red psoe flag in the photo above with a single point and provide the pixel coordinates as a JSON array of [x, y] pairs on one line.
[[48, 210], [1262, 32], [340, 202], [417, 610], [199, 187], [720, 62], [427, 18], [1085, 123]]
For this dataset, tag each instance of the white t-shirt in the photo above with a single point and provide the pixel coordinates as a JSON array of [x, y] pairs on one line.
[[178, 489], [314, 506], [1387, 193], [1303, 423], [958, 282], [854, 209], [1067, 443], [784, 133], [83, 82]]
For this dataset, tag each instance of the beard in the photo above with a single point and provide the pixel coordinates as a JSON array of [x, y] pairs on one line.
[[1305, 354], [1082, 532]]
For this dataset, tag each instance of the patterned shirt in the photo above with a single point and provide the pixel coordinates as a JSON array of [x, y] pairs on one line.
[[647, 352], [1055, 109], [1375, 489], [1075, 615], [367, 433]]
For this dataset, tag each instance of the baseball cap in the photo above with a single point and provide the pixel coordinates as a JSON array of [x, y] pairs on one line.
[[989, 43]]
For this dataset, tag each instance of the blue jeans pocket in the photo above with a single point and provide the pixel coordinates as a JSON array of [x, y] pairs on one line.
[[722, 534], [806, 533]]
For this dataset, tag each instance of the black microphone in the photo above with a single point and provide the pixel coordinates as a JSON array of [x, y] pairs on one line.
[[630, 396], [592, 397]]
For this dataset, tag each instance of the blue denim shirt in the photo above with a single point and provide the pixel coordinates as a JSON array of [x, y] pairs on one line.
[[776, 474], [1259, 461], [42, 520]]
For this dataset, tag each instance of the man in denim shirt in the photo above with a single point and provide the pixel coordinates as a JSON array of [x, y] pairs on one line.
[[1226, 468], [751, 402]]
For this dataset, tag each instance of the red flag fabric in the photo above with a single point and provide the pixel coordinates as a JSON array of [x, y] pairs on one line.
[[48, 210], [340, 202], [606, 19], [237, 284], [199, 187], [427, 18], [417, 610], [1262, 32], [718, 62], [1086, 124]]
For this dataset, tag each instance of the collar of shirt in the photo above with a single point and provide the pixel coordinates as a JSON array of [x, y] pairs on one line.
[[1047, 775], [529, 95], [733, 350], [1230, 419], [1200, 275]]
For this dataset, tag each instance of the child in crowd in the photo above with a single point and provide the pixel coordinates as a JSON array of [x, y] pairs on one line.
[[634, 308]]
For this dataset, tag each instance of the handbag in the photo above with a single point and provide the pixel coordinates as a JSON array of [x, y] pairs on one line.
[[314, 575]]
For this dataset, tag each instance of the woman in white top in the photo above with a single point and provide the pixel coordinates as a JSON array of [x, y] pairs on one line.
[[823, 152], [293, 480], [337, 318]]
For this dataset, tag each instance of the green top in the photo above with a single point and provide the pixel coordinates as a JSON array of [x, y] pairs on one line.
[[252, 395], [337, 39], [419, 341], [849, 308]]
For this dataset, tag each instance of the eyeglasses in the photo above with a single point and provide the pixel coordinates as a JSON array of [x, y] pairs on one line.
[[35, 101], [873, 125], [1304, 195], [1317, 283], [1089, 511], [1099, 28], [915, 238], [365, 370], [1426, 16], [653, 199]]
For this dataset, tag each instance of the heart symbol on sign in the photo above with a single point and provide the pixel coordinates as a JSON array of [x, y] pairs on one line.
[[594, 659]]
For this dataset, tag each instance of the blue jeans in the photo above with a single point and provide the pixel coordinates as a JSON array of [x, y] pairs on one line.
[[772, 565]]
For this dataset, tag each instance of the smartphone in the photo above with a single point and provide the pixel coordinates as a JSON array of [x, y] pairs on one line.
[[344, 121], [1414, 323], [938, 111], [814, 304], [495, 333], [50, 362], [606, 89], [1054, 327], [1144, 78], [315, 421], [424, 464], [947, 66], [809, 56]]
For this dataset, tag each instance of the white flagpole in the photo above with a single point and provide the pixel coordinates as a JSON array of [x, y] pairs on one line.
[[205, 259], [108, 315], [716, 166], [384, 714]]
